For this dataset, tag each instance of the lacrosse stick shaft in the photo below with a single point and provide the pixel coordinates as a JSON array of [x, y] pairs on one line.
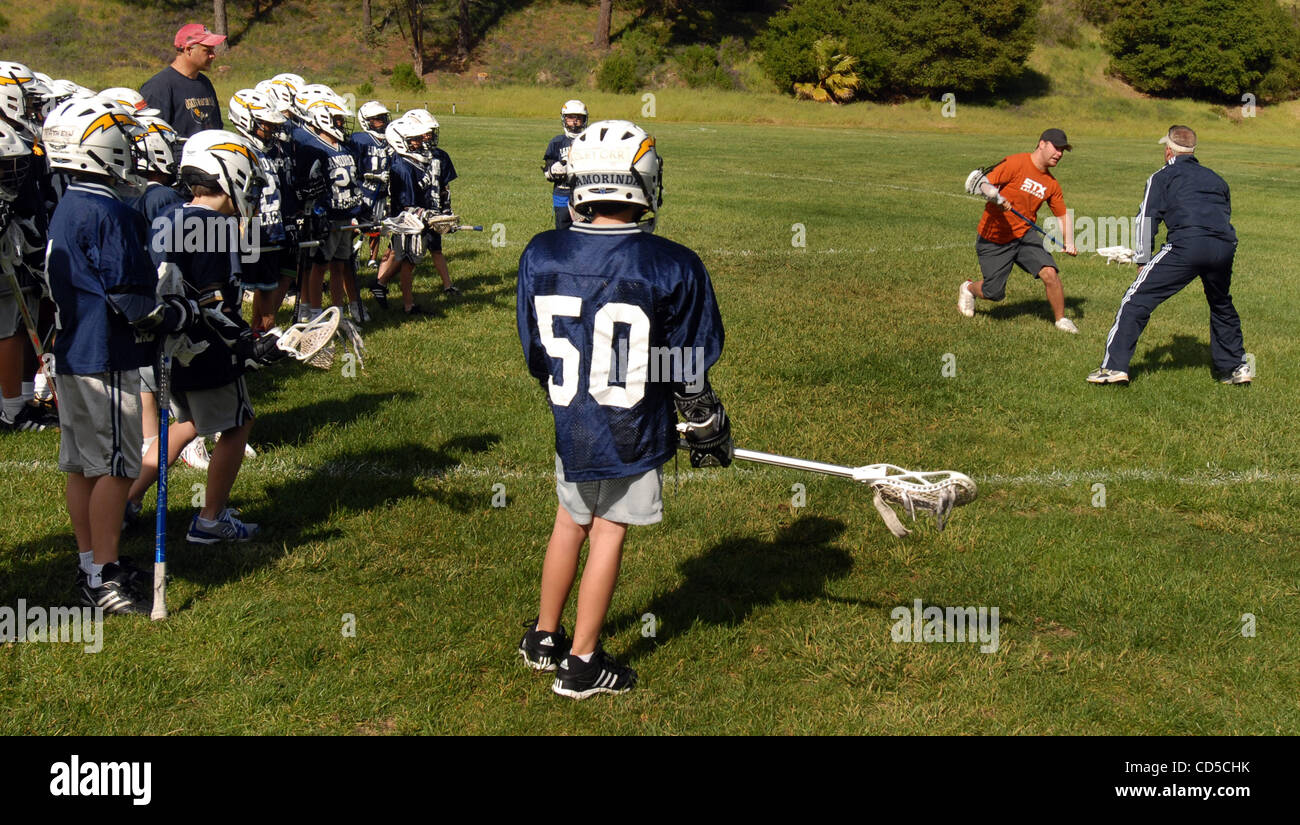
[[794, 463], [160, 520], [1040, 229], [30, 323]]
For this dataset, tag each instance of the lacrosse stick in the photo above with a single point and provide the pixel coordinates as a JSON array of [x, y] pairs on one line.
[[975, 182], [934, 492], [351, 334], [32, 335], [164, 380], [442, 224], [307, 340]]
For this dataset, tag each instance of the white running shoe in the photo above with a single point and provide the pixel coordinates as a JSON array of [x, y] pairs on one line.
[[965, 300], [1105, 376], [249, 452], [1066, 325], [196, 454]]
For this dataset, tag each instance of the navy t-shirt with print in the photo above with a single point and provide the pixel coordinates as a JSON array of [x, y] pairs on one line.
[[190, 106]]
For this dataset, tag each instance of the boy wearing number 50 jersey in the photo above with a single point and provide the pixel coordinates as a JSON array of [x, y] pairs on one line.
[[619, 326]]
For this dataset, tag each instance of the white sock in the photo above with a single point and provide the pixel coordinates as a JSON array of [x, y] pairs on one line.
[[29, 390], [87, 559], [96, 574], [12, 406], [586, 657]]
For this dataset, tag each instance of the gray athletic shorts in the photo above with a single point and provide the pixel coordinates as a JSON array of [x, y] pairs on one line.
[[996, 260], [214, 411], [99, 424], [411, 248], [632, 500], [11, 318], [148, 379], [336, 246]]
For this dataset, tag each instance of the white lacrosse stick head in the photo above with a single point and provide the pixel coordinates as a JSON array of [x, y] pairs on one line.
[[936, 492], [973, 182], [1116, 254]]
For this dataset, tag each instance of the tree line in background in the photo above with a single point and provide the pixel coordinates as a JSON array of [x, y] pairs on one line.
[[840, 50]]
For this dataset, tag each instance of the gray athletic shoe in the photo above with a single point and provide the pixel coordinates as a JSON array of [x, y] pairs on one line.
[[1241, 375], [1104, 376]]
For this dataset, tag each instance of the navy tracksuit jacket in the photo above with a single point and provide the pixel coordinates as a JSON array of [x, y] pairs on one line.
[[1194, 204]]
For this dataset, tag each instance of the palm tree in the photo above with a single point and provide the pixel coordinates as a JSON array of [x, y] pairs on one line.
[[836, 81]]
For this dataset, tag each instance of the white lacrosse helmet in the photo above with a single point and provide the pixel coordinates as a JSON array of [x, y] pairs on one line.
[[15, 162], [225, 161], [248, 108], [62, 90], [410, 139], [371, 110], [96, 136], [615, 161], [159, 146], [307, 95], [425, 119], [293, 82], [131, 99], [328, 114], [573, 108], [24, 100]]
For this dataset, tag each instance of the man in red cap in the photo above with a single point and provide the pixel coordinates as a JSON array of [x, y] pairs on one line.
[[181, 92]]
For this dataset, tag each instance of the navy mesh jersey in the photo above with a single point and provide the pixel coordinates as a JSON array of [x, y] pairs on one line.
[[612, 320]]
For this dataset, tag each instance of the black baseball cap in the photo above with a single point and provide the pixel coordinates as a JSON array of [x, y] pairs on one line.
[[1057, 138]]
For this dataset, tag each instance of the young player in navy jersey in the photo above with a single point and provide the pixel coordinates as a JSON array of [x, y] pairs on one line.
[[107, 313], [374, 159], [257, 119], [599, 305], [418, 182], [326, 175], [573, 117]]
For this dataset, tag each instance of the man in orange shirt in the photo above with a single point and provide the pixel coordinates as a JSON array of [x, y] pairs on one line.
[[1022, 182]]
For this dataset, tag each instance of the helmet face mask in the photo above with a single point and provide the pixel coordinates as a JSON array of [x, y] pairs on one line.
[[374, 117], [573, 117], [24, 100], [159, 141], [412, 138], [15, 162], [257, 117]]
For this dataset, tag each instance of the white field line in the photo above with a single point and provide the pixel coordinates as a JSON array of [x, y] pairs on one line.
[[263, 465]]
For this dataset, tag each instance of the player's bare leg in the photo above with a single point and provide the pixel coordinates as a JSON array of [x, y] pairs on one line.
[[311, 294], [227, 458], [1055, 292], [406, 278], [599, 578], [440, 264], [974, 288], [560, 568], [179, 435], [95, 507]]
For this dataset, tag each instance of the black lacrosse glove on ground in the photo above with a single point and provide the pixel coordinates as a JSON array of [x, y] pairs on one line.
[[710, 441]]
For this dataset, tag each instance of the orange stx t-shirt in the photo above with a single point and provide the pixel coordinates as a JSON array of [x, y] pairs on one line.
[[1026, 188]]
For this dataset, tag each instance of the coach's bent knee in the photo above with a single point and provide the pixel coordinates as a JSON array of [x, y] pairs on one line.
[[1049, 276]]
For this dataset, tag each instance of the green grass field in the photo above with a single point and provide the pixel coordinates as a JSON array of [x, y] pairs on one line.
[[376, 492]]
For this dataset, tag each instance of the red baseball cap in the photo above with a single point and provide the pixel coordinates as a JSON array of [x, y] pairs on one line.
[[192, 33]]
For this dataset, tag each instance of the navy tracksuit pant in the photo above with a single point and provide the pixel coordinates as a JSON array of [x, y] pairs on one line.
[[1172, 268]]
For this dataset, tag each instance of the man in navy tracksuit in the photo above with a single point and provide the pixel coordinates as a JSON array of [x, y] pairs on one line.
[[1194, 205]]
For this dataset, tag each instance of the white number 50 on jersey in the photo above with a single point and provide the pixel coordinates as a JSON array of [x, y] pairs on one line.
[[602, 351]]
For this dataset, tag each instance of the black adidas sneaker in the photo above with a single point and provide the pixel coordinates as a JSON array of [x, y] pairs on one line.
[[541, 649], [578, 679], [116, 594]]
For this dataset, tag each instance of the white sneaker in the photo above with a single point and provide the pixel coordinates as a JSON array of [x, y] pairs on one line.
[[1105, 376], [196, 455], [1066, 325], [1241, 375], [965, 300], [249, 452]]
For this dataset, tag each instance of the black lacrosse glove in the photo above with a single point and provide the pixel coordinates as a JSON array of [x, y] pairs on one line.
[[172, 315], [257, 351], [710, 439]]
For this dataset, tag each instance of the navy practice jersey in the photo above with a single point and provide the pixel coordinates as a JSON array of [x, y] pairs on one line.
[[374, 159], [612, 321], [99, 277], [203, 271], [327, 174], [158, 201], [271, 213], [558, 151], [414, 184]]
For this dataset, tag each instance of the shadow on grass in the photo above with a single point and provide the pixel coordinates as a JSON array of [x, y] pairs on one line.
[[1182, 352], [476, 293], [299, 510], [299, 424], [1037, 307], [725, 584]]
